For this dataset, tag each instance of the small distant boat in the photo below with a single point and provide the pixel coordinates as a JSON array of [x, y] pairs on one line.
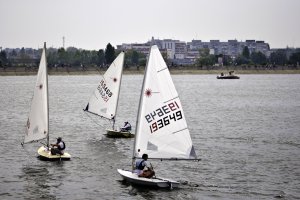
[[38, 120], [104, 100], [231, 75], [161, 128], [111, 133]]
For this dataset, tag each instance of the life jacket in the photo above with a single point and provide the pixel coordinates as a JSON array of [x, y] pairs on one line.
[[64, 146], [127, 126], [141, 167]]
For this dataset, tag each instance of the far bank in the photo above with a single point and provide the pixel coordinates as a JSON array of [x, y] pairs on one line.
[[88, 71]]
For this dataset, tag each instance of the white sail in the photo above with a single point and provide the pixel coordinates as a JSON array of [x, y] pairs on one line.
[[104, 100], [161, 130], [37, 123]]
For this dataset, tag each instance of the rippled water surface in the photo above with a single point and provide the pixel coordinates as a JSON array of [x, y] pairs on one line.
[[246, 131]]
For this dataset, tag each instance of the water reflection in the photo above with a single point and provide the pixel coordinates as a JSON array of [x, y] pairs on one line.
[[41, 183]]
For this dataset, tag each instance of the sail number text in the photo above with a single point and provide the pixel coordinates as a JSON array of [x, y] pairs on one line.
[[163, 116], [104, 91]]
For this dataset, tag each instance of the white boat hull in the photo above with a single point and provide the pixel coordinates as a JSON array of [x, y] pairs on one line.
[[45, 154], [149, 182]]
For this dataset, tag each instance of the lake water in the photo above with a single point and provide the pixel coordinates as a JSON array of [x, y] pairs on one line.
[[247, 133]]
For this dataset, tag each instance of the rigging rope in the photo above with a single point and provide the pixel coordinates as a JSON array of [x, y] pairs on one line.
[[94, 120]]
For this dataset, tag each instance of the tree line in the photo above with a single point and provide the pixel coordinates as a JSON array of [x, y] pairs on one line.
[[254, 60], [73, 57]]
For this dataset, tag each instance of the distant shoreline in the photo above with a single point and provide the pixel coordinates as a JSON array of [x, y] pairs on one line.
[[18, 72]]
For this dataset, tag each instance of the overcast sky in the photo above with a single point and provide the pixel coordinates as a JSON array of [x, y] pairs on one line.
[[91, 24]]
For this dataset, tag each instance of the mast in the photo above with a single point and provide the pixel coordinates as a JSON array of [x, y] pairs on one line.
[[139, 108], [114, 118], [47, 91]]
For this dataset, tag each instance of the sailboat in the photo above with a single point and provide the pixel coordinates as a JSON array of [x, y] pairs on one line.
[[38, 120], [104, 100], [161, 128]]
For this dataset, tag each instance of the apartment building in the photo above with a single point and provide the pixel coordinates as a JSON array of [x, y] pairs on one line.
[[180, 52]]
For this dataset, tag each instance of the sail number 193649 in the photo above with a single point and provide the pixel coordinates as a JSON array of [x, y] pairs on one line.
[[164, 116]]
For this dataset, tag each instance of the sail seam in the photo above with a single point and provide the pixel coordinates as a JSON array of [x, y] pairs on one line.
[[171, 99], [162, 70], [180, 130]]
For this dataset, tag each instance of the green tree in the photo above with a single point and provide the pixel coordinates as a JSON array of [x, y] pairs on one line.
[[278, 57], [14, 53], [204, 52], [101, 57], [246, 52], [135, 58], [22, 53], [258, 58], [52, 57], [62, 56], [143, 61], [109, 54], [93, 57], [295, 58], [3, 58], [207, 61], [165, 56], [227, 60], [23, 57], [85, 59], [240, 60], [128, 57], [205, 58], [75, 57]]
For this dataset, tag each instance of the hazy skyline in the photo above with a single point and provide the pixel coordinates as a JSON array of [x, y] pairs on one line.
[[91, 24]]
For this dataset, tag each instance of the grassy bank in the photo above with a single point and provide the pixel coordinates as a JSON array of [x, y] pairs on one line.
[[93, 71]]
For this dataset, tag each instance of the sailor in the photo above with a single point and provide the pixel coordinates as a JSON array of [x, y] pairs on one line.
[[126, 127], [59, 147], [144, 168]]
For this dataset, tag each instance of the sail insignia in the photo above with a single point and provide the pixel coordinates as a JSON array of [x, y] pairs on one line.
[[115, 79], [148, 92]]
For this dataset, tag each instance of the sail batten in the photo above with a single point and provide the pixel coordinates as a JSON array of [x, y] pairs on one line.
[[179, 130], [171, 99], [161, 129], [162, 70]]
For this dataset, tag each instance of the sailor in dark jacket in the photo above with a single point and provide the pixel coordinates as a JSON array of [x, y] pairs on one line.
[[59, 147]]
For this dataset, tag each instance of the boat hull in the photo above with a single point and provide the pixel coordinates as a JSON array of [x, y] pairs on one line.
[[45, 154], [228, 77], [118, 134], [148, 182]]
